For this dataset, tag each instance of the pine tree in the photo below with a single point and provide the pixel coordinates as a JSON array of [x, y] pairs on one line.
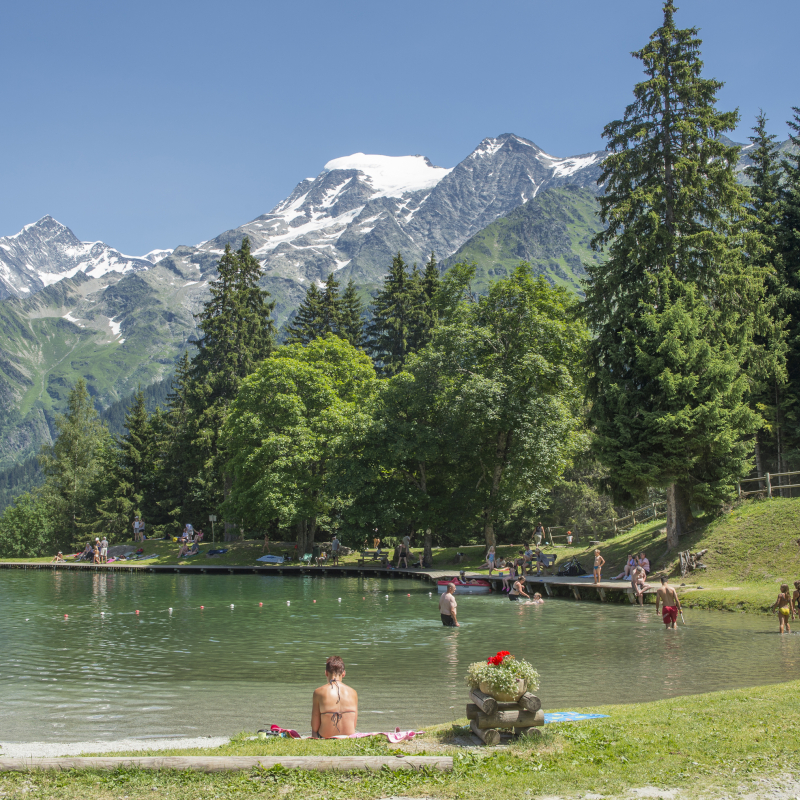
[[331, 306], [427, 299], [351, 316], [73, 464], [307, 324], [677, 302], [236, 334], [769, 373], [131, 472], [394, 326]]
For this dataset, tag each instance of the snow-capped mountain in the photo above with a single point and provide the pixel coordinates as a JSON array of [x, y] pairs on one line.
[[46, 251], [362, 209]]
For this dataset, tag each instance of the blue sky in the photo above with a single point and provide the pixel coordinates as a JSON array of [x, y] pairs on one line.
[[154, 124]]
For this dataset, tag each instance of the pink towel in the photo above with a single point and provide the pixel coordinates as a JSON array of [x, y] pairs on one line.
[[393, 737]]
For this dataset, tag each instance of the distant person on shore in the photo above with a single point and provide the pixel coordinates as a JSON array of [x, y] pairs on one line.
[[796, 595], [630, 563], [785, 608], [508, 579], [96, 552], [517, 591], [490, 559], [136, 524], [569, 538], [527, 560], [59, 557], [538, 534], [668, 597], [334, 707], [376, 540], [541, 564], [104, 549], [639, 583], [447, 607], [598, 565], [87, 551], [335, 550], [265, 549], [644, 562]]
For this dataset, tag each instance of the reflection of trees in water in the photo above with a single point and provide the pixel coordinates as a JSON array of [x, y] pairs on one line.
[[454, 678]]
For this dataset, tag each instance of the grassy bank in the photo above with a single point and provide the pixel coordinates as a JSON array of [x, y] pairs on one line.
[[751, 550], [712, 743]]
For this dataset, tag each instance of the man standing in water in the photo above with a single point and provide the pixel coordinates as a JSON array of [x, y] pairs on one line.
[[334, 708], [668, 597], [447, 607]]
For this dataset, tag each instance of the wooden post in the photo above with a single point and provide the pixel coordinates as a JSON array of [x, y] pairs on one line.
[[769, 488], [739, 486], [576, 593], [631, 596], [548, 590], [602, 593], [485, 702], [518, 718], [530, 702], [487, 736], [527, 732]]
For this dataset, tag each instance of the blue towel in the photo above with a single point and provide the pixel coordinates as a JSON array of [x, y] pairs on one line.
[[569, 716]]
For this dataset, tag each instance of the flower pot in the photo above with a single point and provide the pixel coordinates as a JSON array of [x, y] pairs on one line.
[[504, 697]]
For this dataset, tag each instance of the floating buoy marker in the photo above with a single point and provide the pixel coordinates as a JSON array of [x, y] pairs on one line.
[[66, 616], [408, 595], [231, 605], [170, 611], [340, 599], [137, 610], [260, 604], [288, 603], [315, 601], [202, 607]]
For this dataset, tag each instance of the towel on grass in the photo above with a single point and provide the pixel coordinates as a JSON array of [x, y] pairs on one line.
[[393, 737], [569, 716], [271, 559]]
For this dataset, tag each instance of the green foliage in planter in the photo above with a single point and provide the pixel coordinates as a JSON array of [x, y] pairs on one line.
[[502, 676]]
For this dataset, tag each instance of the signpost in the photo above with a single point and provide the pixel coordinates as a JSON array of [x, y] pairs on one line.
[[212, 518]]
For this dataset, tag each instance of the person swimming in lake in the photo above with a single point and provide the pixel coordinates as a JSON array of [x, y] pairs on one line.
[[784, 607], [334, 707], [537, 599], [517, 591]]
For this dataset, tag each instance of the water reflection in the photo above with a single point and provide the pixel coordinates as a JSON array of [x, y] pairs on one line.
[[106, 672]]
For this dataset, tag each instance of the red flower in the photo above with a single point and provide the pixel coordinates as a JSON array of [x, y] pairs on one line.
[[498, 659]]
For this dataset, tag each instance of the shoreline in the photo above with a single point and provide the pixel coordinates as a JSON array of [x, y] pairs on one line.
[[139, 744]]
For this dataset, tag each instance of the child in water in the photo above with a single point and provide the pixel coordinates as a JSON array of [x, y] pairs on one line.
[[785, 608], [598, 565], [537, 599]]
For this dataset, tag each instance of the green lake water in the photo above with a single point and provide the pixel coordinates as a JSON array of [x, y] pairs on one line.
[[105, 672]]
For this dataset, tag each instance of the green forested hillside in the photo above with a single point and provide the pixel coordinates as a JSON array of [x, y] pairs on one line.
[[552, 232]]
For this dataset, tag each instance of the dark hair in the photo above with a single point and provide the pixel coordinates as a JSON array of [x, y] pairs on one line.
[[334, 665], [663, 579]]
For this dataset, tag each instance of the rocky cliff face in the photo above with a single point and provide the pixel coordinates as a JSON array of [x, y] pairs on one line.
[[46, 252]]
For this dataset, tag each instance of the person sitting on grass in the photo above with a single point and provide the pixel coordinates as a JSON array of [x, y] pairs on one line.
[[58, 558], [644, 562], [184, 551], [784, 607], [334, 706], [630, 563]]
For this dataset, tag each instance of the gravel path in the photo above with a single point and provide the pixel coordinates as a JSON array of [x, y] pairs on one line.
[[51, 750]]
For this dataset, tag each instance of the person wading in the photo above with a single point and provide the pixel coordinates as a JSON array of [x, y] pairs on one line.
[[668, 597], [447, 607]]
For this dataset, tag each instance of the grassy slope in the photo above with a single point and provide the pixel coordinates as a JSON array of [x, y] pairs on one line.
[[723, 741], [751, 551], [552, 232]]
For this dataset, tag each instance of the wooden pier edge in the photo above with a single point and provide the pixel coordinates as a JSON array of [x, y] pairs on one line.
[[231, 763]]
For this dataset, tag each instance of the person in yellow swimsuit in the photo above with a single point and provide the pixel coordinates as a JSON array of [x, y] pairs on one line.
[[785, 608]]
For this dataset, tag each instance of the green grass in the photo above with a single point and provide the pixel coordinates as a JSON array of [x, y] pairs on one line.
[[719, 742]]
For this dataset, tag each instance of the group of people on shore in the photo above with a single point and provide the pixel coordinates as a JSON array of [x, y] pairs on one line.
[[520, 565], [96, 552]]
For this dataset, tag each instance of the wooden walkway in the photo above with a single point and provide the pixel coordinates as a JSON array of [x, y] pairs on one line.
[[581, 588]]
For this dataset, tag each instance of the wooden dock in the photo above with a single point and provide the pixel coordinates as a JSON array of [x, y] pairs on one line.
[[581, 588]]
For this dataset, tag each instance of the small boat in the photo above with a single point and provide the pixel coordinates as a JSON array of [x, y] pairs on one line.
[[469, 586]]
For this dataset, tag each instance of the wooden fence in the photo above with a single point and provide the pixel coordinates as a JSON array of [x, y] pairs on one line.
[[770, 487], [614, 525]]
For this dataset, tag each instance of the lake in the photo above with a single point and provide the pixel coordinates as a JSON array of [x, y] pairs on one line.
[[105, 672]]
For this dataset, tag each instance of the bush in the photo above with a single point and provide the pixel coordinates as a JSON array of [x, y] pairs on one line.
[[27, 528]]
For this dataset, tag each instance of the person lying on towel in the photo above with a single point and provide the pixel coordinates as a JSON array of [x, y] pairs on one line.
[[334, 709]]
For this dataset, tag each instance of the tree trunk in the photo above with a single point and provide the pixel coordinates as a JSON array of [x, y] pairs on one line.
[[501, 454], [778, 441], [759, 464], [427, 555], [306, 531], [679, 515]]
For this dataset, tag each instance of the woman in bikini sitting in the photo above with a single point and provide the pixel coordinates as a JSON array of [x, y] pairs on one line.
[[334, 710]]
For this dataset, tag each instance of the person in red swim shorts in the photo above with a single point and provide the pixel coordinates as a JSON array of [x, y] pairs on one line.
[[668, 597]]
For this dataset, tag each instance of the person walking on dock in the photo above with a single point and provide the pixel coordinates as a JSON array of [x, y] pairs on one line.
[[447, 607], [668, 597]]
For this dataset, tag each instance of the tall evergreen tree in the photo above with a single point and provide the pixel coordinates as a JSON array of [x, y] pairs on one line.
[[236, 334], [788, 245], [676, 303], [331, 306], [73, 464], [351, 316], [131, 472], [427, 302], [769, 373], [393, 330], [307, 324]]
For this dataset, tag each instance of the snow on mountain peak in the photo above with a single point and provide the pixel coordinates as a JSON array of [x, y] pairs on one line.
[[392, 176]]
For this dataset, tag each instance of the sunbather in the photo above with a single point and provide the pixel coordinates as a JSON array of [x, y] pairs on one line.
[[334, 708]]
